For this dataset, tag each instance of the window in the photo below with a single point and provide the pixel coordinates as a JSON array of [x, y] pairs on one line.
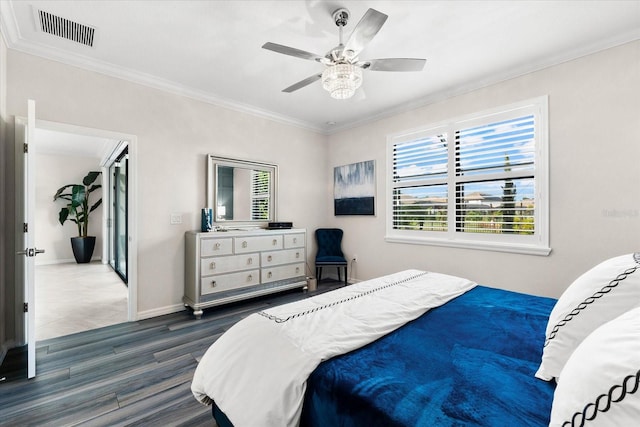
[[260, 185], [478, 181]]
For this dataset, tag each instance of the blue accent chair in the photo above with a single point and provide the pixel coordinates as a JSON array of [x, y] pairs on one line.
[[329, 253]]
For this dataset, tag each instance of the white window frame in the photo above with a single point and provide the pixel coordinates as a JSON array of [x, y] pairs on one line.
[[535, 244]]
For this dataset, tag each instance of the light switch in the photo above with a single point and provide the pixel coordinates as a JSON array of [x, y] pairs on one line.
[[176, 218]]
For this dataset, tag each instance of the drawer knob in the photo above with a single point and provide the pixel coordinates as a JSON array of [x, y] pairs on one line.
[[250, 278], [297, 269], [212, 265], [275, 242], [297, 254], [244, 244], [216, 246], [213, 283], [249, 261], [269, 258], [269, 274], [295, 240]]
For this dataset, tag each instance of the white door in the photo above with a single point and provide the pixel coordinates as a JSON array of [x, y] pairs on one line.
[[28, 249]]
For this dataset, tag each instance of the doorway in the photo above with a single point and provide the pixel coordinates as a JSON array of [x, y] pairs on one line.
[[105, 289]]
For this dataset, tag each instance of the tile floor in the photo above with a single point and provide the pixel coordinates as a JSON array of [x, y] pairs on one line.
[[72, 298]]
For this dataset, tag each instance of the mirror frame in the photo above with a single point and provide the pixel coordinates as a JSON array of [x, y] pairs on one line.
[[212, 166]]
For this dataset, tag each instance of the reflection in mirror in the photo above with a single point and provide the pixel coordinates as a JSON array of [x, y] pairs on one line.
[[241, 190]]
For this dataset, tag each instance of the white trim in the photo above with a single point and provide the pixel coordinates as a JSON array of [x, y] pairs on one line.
[[537, 244], [132, 141], [9, 28], [132, 206], [14, 40], [495, 78], [64, 261], [106, 203], [161, 311], [470, 244]]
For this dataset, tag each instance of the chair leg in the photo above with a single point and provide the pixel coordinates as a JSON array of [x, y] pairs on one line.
[[345, 275], [339, 279], [319, 273]]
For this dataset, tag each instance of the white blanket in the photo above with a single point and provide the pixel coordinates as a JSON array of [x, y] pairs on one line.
[[257, 371]]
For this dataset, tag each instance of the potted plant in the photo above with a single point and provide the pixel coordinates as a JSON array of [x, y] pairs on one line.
[[77, 210]]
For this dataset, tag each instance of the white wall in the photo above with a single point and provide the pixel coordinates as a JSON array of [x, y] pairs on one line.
[[594, 117], [594, 134], [174, 134], [52, 172]]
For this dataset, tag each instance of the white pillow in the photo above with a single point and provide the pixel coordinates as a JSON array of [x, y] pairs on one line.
[[599, 295], [600, 384]]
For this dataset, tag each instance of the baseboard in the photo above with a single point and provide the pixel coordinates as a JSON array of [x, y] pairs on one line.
[[161, 311], [65, 261], [55, 262]]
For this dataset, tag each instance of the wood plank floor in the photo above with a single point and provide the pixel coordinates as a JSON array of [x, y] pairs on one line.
[[132, 374]]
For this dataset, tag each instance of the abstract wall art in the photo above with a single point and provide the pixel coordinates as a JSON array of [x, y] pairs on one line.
[[354, 189]]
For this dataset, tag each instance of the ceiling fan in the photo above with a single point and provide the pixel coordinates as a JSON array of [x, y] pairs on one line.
[[343, 72]]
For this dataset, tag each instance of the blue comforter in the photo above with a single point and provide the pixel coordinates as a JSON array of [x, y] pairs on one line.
[[470, 362]]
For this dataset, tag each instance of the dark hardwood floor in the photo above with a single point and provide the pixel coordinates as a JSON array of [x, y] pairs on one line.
[[132, 374]]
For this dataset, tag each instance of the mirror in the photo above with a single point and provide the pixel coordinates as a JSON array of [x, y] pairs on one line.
[[241, 190]]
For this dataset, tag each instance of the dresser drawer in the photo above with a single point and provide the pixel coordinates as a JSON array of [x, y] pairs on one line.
[[225, 282], [287, 256], [223, 267], [294, 240], [213, 246], [227, 264], [257, 243], [273, 274]]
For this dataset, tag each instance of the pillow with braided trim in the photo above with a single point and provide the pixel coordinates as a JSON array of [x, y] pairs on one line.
[[600, 384], [599, 295]]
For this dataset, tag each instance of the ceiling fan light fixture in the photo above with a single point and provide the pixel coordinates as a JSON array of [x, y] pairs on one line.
[[342, 80]]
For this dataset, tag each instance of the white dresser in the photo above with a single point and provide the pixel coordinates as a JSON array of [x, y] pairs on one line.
[[222, 267]]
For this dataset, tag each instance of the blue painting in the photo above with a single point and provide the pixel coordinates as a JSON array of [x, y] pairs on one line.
[[354, 189]]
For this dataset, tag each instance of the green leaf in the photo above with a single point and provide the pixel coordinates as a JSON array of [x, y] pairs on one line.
[[90, 178], [62, 216], [60, 191], [78, 195], [95, 206]]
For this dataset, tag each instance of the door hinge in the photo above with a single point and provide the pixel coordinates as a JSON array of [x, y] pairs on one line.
[[25, 307], [25, 227], [26, 147]]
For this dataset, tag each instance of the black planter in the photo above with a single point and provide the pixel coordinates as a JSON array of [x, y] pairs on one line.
[[83, 248]]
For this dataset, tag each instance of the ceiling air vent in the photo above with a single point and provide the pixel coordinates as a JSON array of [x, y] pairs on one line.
[[66, 29]]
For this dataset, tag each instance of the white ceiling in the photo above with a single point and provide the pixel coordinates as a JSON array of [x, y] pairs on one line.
[[211, 50]]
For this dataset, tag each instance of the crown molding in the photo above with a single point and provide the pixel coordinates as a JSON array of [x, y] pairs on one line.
[[507, 74], [9, 29], [13, 39]]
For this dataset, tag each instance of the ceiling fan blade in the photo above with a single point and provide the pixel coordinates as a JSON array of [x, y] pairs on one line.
[[291, 51], [366, 29], [393, 64], [303, 83]]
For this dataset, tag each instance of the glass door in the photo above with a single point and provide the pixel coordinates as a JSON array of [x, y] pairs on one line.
[[119, 228]]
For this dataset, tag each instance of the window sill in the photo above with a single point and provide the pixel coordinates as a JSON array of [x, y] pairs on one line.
[[510, 247]]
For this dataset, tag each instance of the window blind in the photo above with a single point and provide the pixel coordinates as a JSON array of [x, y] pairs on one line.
[[481, 182], [504, 146], [260, 185], [420, 196]]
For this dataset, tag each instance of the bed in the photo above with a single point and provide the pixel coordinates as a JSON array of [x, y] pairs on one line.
[[420, 349], [468, 362]]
